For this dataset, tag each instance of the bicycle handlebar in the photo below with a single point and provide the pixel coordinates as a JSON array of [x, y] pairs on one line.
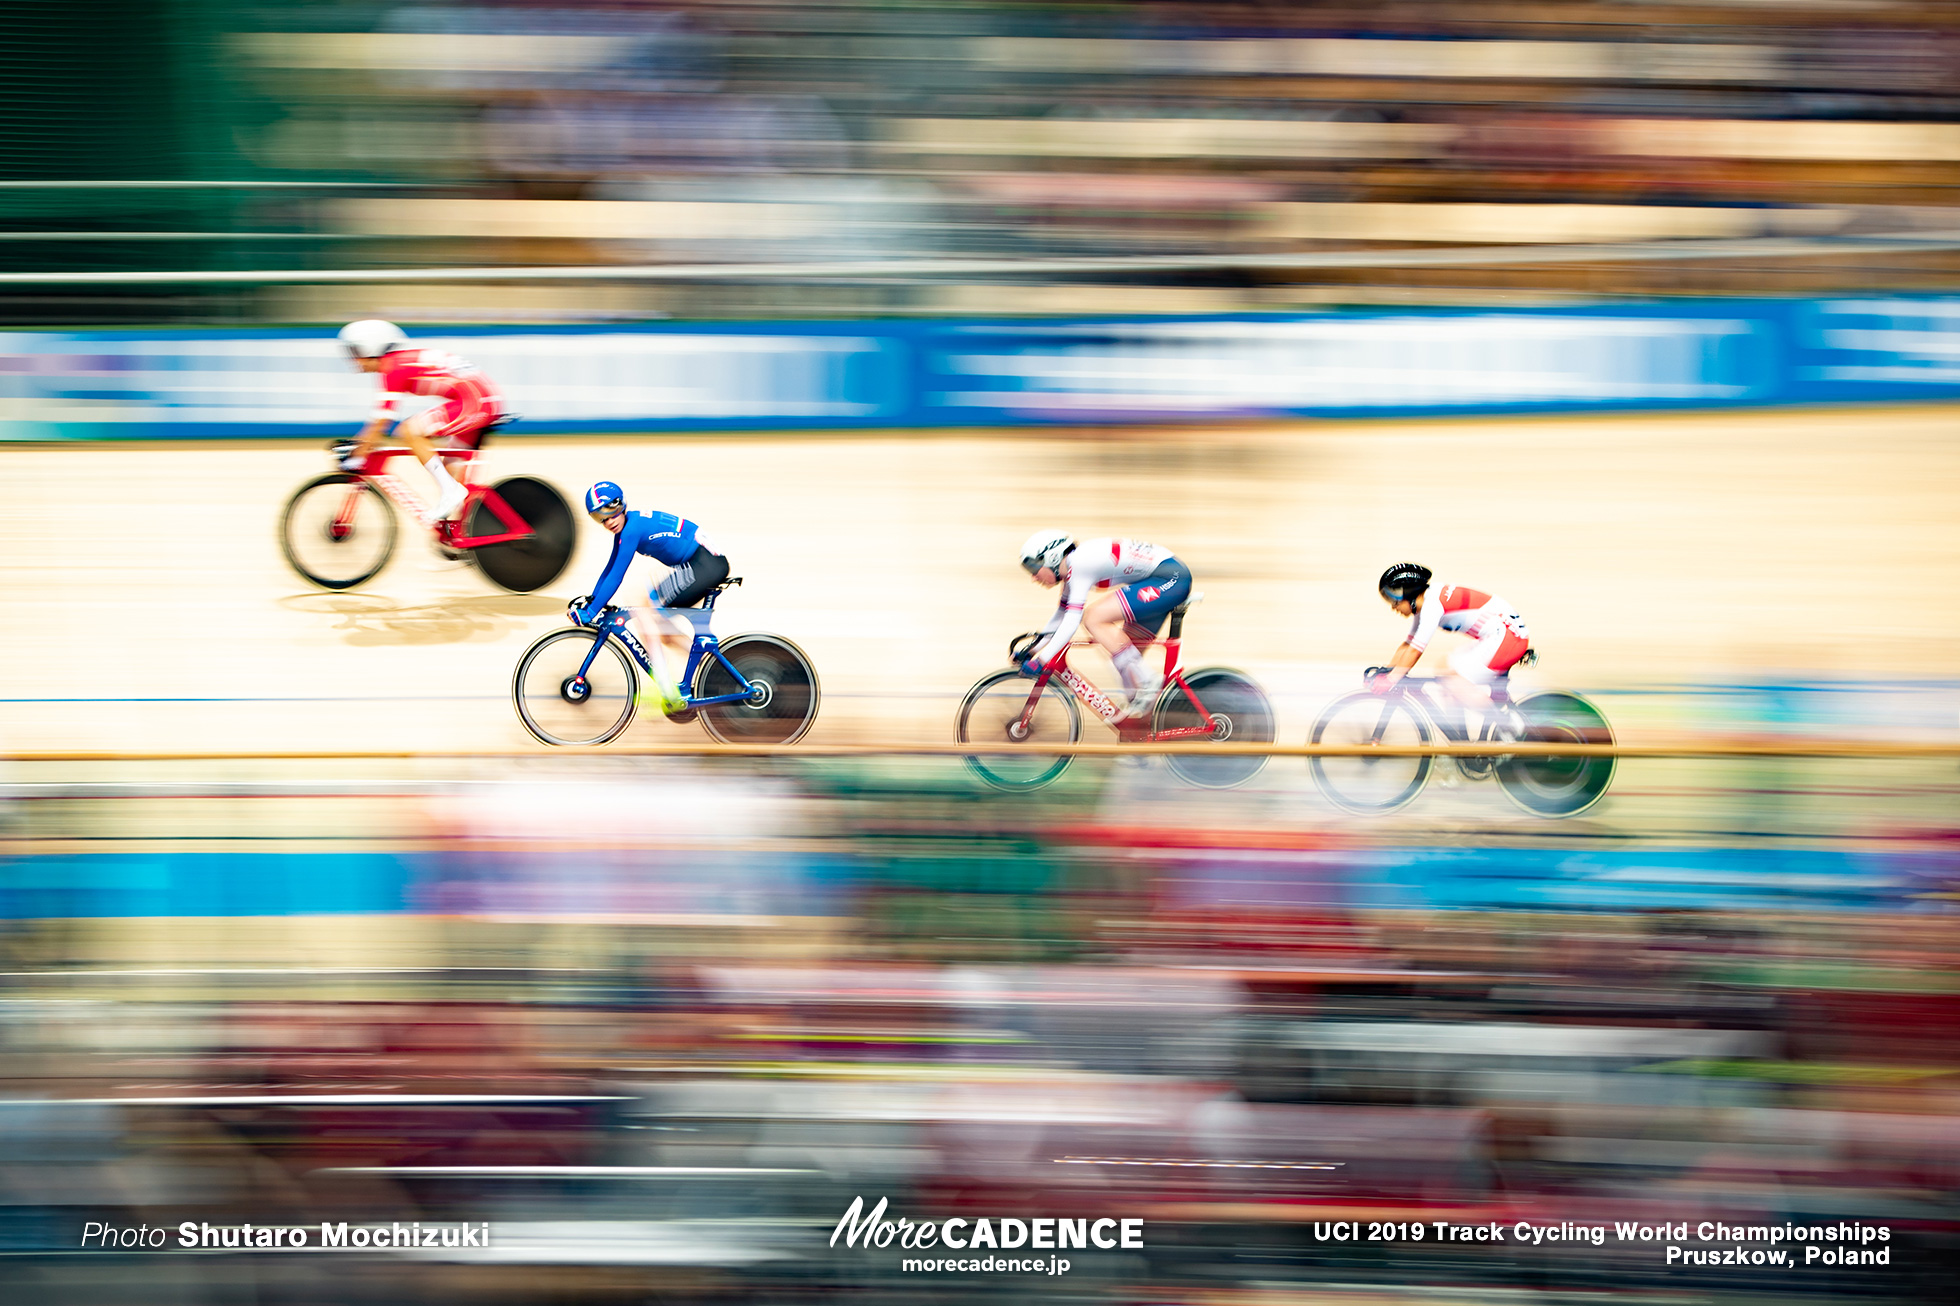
[[606, 616]]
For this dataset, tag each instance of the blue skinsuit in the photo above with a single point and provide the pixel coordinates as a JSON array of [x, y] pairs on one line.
[[659, 535]]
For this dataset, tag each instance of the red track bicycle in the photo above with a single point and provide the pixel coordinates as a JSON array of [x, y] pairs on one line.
[[338, 530], [1015, 717]]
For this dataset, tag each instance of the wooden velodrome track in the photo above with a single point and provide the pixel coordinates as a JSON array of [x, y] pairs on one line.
[[147, 605]]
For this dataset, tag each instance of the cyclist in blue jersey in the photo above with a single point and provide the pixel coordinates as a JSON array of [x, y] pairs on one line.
[[696, 569]]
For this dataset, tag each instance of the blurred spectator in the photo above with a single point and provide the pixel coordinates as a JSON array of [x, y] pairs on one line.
[[859, 129]]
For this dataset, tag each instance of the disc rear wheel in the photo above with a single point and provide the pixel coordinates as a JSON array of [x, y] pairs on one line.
[[781, 700], [1559, 786], [533, 562], [1240, 713]]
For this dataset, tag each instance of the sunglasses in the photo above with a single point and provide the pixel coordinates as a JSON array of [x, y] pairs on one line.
[[607, 513]]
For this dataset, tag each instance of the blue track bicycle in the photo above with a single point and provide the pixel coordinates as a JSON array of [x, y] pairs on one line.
[[578, 686]]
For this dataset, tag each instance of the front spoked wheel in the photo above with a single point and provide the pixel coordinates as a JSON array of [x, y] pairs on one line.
[[559, 706], [991, 715], [1371, 783], [781, 701], [1558, 786], [533, 562], [1240, 713], [337, 531]]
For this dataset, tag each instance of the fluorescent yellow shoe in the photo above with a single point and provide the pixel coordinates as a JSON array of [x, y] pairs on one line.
[[655, 696]]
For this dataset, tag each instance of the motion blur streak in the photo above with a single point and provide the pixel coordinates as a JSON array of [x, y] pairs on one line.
[[656, 1024], [635, 132], [679, 1046]]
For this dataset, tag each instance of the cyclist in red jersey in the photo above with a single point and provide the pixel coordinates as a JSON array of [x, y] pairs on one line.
[[467, 403], [1497, 635]]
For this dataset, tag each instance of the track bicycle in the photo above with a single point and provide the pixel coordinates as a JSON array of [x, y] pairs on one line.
[[339, 531], [1411, 715], [578, 685], [1009, 713]]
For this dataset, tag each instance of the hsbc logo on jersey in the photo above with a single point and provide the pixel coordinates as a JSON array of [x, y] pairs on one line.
[[1150, 593]]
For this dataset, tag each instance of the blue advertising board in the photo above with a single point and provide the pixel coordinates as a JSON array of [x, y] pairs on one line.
[[783, 375]]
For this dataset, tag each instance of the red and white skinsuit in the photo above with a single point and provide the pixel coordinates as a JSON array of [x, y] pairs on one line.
[[1497, 633], [468, 402]]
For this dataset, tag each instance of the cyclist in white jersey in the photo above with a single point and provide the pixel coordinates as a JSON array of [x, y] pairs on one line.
[[1140, 583], [1497, 638]]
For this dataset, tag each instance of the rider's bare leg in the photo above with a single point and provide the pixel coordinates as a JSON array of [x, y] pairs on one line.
[[1102, 620], [1106, 622], [1466, 683], [662, 637], [1468, 677], [414, 432], [1466, 692]]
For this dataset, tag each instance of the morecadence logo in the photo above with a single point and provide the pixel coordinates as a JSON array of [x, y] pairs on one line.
[[986, 1233]]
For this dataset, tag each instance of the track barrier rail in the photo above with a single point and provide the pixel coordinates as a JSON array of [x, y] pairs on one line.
[[1821, 748]]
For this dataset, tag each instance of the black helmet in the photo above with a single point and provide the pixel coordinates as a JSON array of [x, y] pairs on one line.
[[1404, 580]]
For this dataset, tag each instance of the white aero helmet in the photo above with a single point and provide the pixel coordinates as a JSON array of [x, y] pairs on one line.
[[371, 338], [1046, 549]]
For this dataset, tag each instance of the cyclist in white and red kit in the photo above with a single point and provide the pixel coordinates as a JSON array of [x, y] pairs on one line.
[[1496, 637], [1140, 584], [467, 403]]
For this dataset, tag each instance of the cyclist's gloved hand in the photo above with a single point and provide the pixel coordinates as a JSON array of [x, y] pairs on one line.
[[343, 455], [1031, 668], [1379, 685], [575, 610]]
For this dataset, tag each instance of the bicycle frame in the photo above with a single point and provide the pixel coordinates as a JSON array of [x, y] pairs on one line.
[[1101, 704], [451, 532], [706, 645], [1451, 725]]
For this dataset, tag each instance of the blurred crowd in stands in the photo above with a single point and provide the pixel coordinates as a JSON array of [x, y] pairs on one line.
[[730, 131], [992, 1010]]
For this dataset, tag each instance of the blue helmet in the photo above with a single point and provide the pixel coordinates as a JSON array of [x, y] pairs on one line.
[[605, 497]]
